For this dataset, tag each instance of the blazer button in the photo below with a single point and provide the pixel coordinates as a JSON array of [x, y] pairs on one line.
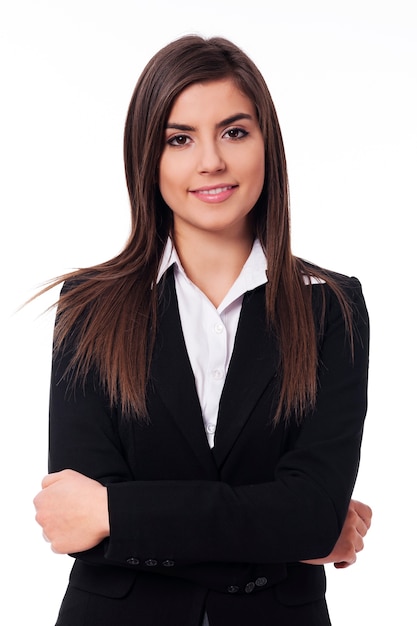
[[249, 587], [261, 581], [151, 562], [233, 589], [168, 563], [133, 561]]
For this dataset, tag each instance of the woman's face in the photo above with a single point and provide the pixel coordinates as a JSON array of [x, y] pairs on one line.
[[212, 167]]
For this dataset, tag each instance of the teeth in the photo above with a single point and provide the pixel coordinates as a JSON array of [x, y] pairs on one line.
[[213, 192]]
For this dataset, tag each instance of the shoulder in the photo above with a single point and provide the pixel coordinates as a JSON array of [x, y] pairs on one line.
[[335, 295], [315, 274], [76, 280], [87, 290], [331, 282]]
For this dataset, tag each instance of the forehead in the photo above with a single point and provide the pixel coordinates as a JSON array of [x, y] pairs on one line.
[[214, 99]]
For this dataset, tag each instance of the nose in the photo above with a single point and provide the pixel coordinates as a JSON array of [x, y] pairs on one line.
[[210, 158]]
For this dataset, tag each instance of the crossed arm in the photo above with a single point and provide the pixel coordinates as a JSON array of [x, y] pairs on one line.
[[72, 510]]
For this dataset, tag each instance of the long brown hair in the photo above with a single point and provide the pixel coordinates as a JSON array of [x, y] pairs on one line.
[[112, 307]]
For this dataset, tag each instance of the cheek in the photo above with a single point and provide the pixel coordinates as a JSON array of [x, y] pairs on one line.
[[257, 180], [166, 180], [172, 175], [258, 172], [162, 173]]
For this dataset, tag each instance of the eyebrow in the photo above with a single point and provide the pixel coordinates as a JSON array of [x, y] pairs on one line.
[[229, 120]]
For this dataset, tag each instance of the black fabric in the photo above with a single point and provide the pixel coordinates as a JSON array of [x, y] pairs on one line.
[[224, 528]]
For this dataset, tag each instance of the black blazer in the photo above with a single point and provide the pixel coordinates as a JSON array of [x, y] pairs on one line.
[[221, 530]]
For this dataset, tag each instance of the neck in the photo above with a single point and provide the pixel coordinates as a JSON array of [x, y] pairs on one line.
[[213, 261]]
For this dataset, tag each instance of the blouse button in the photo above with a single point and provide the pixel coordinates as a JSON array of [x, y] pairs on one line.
[[218, 328], [211, 429]]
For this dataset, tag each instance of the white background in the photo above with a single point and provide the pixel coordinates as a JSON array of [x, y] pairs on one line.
[[343, 77]]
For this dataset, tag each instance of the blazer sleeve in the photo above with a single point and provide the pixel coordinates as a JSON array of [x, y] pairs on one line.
[[298, 515]]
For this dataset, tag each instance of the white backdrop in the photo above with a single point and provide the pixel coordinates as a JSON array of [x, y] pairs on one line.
[[343, 76]]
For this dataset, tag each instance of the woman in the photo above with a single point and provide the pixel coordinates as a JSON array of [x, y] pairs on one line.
[[208, 388]]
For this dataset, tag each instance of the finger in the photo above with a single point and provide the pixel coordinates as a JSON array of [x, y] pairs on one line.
[[361, 527], [359, 544], [363, 511], [349, 560], [36, 501], [50, 479]]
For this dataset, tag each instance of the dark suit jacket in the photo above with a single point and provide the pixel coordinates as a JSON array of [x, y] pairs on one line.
[[222, 530]]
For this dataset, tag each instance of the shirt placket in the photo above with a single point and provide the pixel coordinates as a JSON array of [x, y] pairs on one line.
[[215, 372]]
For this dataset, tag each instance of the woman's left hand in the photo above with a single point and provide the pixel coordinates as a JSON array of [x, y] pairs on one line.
[[357, 524], [72, 510]]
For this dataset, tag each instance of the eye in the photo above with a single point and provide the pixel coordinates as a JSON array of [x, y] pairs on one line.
[[178, 140], [236, 133]]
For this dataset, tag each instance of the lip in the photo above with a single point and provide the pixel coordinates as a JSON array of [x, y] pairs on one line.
[[214, 193]]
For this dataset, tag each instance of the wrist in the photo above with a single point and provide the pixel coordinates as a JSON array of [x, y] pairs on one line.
[[103, 522]]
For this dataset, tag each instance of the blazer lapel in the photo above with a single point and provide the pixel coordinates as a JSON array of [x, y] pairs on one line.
[[172, 376], [252, 366]]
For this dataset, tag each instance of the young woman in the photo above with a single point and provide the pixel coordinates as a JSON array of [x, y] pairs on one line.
[[208, 388]]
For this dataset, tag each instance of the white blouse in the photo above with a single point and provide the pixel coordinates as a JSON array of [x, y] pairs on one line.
[[210, 332]]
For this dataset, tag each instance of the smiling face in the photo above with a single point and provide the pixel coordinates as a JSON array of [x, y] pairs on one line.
[[212, 168]]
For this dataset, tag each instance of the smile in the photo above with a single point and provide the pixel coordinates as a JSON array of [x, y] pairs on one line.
[[214, 194], [214, 191]]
